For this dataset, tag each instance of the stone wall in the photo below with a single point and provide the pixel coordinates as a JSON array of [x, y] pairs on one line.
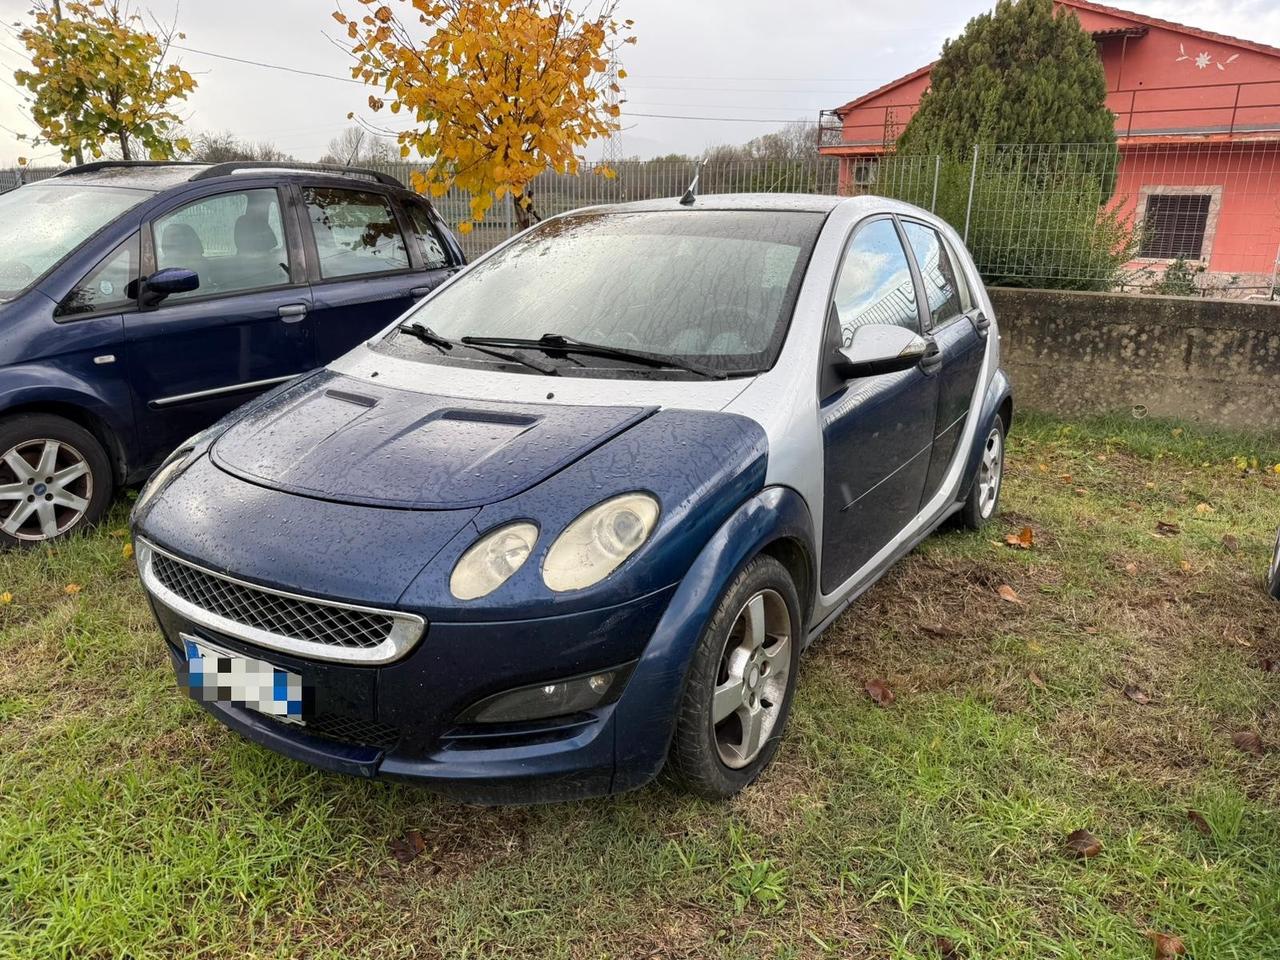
[[1216, 362]]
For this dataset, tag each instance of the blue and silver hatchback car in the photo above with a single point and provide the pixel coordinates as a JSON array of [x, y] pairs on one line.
[[574, 517]]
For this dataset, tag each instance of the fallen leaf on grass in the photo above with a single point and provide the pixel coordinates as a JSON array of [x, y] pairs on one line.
[[879, 693], [1065, 478], [1081, 492], [1008, 594], [1023, 540], [127, 551], [6, 598], [120, 533], [409, 848], [1136, 694], [1131, 569], [939, 630], [72, 589], [1083, 844], [1185, 566], [1166, 529], [1249, 742], [1267, 664], [1199, 822], [1166, 945], [1035, 680], [947, 948], [1231, 542], [1203, 508], [1092, 631]]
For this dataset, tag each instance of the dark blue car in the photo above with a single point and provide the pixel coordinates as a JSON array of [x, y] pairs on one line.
[[574, 517], [141, 302]]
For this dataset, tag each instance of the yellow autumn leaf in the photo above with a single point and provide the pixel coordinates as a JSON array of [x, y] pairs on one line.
[[6, 598], [72, 589], [127, 551]]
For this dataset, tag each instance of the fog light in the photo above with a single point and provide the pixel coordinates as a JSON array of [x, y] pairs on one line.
[[537, 702]]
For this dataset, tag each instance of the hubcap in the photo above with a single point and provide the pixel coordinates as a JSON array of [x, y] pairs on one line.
[[45, 489], [752, 680], [990, 473]]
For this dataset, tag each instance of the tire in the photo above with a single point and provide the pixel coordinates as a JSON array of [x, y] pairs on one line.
[[1273, 579], [55, 479], [984, 496], [716, 760]]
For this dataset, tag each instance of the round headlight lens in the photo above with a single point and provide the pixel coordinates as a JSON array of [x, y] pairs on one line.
[[492, 560], [597, 543]]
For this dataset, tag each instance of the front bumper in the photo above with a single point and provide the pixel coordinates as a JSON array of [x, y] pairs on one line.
[[398, 720]]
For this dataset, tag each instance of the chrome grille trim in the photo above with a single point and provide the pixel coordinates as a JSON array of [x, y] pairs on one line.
[[369, 636]]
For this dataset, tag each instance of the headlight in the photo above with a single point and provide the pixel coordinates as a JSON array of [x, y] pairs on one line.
[[597, 543], [172, 466], [491, 560]]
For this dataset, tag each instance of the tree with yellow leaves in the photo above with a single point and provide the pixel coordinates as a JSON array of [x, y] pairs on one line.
[[98, 75], [499, 90]]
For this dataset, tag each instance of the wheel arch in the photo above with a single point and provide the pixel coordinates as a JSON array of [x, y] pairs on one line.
[[82, 416]]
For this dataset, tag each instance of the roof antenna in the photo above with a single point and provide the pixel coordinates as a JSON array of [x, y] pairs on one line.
[[691, 195]]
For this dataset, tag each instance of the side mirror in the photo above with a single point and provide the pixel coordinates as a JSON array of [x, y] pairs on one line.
[[879, 348], [165, 282]]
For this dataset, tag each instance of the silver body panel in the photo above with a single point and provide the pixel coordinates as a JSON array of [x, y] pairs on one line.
[[784, 400]]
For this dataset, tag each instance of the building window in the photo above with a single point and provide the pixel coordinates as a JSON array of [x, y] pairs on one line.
[[1174, 226]]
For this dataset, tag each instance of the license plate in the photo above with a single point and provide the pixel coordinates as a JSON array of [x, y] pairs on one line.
[[219, 676]]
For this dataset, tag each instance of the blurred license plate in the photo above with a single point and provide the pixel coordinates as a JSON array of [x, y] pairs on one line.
[[219, 676]]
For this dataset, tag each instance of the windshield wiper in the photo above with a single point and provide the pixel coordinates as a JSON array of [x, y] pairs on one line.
[[444, 344], [558, 342]]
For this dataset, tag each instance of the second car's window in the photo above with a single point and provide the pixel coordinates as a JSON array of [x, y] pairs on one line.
[[875, 283], [941, 285], [433, 255], [234, 242], [355, 231]]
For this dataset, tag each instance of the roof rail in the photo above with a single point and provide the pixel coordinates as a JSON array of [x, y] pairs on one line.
[[288, 166], [95, 165]]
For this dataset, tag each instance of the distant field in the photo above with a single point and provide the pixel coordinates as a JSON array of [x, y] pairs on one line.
[[1102, 693]]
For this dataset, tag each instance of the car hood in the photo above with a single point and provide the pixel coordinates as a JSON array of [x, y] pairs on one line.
[[346, 440]]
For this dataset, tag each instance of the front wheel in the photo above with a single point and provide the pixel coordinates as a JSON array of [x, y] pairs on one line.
[[740, 685], [984, 496], [1273, 580], [54, 478]]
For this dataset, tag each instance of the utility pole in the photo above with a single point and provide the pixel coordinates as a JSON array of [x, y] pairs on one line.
[[613, 98]]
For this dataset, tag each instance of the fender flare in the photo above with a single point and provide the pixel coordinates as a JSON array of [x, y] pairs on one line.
[[999, 390], [48, 388], [646, 714]]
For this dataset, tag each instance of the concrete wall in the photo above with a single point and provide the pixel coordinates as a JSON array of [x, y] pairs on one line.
[[1216, 362]]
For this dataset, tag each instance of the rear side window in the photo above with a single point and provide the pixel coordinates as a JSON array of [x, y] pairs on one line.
[[875, 283], [356, 232], [424, 234], [942, 285], [233, 241], [108, 286]]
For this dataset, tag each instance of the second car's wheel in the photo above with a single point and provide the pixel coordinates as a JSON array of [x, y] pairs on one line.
[[740, 684], [54, 478], [1273, 580], [984, 496]]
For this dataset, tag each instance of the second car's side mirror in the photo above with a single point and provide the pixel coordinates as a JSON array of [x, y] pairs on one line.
[[878, 348], [165, 282]]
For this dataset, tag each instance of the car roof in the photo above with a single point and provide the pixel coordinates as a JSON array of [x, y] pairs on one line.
[[161, 175], [781, 202]]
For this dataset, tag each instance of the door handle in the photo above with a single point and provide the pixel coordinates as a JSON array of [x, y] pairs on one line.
[[292, 312], [419, 292], [981, 323], [932, 358]]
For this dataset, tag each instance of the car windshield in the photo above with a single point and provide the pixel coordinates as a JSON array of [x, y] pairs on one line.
[[41, 223], [705, 287]]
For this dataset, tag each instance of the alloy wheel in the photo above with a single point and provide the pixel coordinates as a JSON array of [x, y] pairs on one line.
[[751, 683], [45, 489], [990, 473]]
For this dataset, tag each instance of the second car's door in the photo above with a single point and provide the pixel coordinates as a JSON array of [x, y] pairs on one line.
[[365, 272], [960, 332], [198, 355], [877, 431]]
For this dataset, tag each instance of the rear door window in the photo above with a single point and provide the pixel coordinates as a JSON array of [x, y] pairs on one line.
[[355, 231], [234, 242], [943, 288], [428, 240]]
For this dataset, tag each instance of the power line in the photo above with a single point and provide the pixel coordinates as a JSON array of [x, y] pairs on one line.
[[269, 66]]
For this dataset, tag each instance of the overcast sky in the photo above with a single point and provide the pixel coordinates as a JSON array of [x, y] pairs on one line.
[[695, 58]]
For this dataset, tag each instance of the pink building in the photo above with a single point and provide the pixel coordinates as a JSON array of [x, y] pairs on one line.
[[1198, 121]]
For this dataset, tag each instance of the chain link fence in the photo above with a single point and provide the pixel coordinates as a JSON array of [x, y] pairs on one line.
[[1197, 218]]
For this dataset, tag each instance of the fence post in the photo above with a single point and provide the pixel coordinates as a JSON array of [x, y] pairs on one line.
[[973, 176], [937, 172]]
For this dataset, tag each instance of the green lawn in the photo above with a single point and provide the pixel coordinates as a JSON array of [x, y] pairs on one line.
[[132, 825]]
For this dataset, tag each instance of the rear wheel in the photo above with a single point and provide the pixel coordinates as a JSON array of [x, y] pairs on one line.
[[741, 681], [984, 497], [54, 478]]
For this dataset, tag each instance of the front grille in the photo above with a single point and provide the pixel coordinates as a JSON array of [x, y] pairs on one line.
[[363, 733], [297, 619]]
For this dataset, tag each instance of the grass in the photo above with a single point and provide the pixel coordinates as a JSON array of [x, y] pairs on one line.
[[131, 825]]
